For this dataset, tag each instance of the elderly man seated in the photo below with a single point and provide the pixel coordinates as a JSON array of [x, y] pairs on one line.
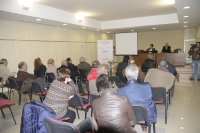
[[138, 93], [148, 64], [160, 77]]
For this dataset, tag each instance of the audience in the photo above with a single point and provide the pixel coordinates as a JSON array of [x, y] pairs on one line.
[[92, 75], [51, 67], [60, 92], [72, 68], [39, 68], [138, 93], [171, 68], [151, 49], [148, 64], [160, 77], [122, 65], [4, 71], [166, 48], [22, 74], [83, 64], [113, 113], [195, 52], [64, 64]]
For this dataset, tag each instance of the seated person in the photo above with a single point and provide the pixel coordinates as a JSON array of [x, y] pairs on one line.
[[83, 64], [72, 68], [93, 72], [64, 64], [4, 71], [60, 92], [166, 48], [171, 68], [113, 113], [148, 64], [151, 49], [51, 67], [22, 74], [138, 93], [102, 69], [39, 68], [160, 77], [122, 65]]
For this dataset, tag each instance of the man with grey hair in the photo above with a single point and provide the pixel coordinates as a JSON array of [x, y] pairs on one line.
[[4, 71], [148, 64], [160, 77], [138, 93], [83, 64], [103, 69]]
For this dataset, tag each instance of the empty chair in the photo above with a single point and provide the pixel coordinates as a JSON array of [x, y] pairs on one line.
[[177, 50], [141, 51], [161, 97], [6, 103], [77, 103], [37, 89], [141, 114]]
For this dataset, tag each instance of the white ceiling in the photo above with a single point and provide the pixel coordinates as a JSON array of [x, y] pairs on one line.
[[104, 11]]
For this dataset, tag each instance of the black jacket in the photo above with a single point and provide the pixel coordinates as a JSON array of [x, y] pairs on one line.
[[121, 66], [168, 50], [171, 69], [62, 66], [148, 64], [40, 72]]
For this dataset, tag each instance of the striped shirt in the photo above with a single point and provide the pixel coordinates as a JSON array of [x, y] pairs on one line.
[[58, 96]]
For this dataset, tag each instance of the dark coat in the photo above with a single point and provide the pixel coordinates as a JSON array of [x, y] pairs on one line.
[[22, 76], [148, 64], [171, 69], [40, 72], [140, 93], [121, 66], [62, 66], [168, 50]]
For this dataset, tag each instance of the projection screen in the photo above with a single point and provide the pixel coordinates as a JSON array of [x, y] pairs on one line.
[[126, 43]]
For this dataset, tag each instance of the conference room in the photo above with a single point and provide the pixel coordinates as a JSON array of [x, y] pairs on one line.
[[104, 32]]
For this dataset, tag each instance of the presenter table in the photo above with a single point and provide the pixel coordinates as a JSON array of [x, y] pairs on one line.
[[177, 59]]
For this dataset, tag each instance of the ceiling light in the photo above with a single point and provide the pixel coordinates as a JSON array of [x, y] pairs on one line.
[[182, 127], [153, 28], [64, 24], [38, 19], [185, 22], [185, 26], [132, 30], [108, 32], [182, 118], [97, 30], [83, 27], [26, 3], [185, 16], [186, 7], [167, 2], [80, 16]]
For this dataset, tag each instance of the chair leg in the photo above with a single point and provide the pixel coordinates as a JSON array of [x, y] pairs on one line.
[[19, 96], [166, 112], [2, 113], [12, 115], [154, 127], [86, 113], [149, 128], [77, 113], [91, 111], [169, 96]]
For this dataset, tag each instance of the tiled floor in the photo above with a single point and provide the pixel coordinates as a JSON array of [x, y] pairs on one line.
[[183, 113]]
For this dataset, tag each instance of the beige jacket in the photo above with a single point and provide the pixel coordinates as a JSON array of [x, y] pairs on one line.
[[159, 78]]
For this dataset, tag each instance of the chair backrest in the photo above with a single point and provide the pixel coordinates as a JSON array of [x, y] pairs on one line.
[[120, 85], [140, 112], [93, 97], [159, 93], [116, 79], [37, 87], [12, 83], [120, 75], [141, 51], [83, 73], [54, 126], [49, 77], [176, 50], [76, 101]]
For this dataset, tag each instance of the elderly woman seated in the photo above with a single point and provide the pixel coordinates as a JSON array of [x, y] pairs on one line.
[[60, 92], [138, 93]]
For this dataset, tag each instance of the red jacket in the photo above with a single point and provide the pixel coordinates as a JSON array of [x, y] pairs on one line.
[[92, 74]]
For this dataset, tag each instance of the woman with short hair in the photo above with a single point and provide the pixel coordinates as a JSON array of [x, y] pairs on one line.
[[60, 92], [51, 67]]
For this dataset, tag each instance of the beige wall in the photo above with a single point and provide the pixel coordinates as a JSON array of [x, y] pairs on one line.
[[22, 41], [175, 38]]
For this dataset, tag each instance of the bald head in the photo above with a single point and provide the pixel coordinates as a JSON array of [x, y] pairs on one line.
[[64, 62], [162, 64], [131, 61]]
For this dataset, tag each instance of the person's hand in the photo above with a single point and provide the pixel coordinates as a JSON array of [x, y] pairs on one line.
[[68, 79]]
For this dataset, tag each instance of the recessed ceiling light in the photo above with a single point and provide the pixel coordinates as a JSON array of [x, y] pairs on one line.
[[185, 16], [26, 3], [186, 7], [83, 27], [64, 24], [182, 118], [38, 19], [153, 28], [185, 26], [108, 32], [182, 127], [185, 22], [97, 30], [132, 30]]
